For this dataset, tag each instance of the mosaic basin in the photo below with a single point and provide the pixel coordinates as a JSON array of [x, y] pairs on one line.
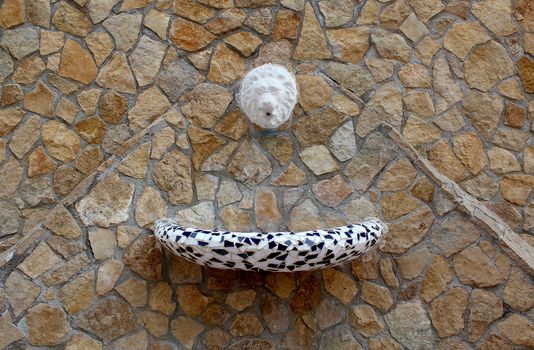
[[269, 251]]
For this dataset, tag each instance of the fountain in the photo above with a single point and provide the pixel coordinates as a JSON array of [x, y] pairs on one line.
[[267, 97]]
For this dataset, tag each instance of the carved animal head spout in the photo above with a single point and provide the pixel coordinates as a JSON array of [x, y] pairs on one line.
[[268, 95]]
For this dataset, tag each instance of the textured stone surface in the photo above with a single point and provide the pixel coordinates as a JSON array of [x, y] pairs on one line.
[[455, 233], [100, 44], [100, 9], [351, 76], [20, 292], [83, 180], [398, 176], [47, 325], [25, 136], [102, 243], [200, 215], [63, 224], [463, 36], [342, 143], [518, 329], [178, 78], [390, 45], [40, 260], [203, 144], [414, 76], [526, 72], [189, 36], [116, 25], [474, 267], [481, 186], [205, 104], [260, 21], [161, 299], [340, 338], [443, 158], [186, 330], [447, 313], [483, 111], [485, 308], [332, 192], [226, 65], [71, 20], [469, 149], [12, 13], [385, 105], [117, 75], [144, 257], [150, 207], [191, 300], [419, 103], [249, 165], [150, 104], [39, 100], [192, 10], [316, 127], [349, 45], [274, 314], [268, 217], [245, 42], [97, 321], [486, 65], [77, 295], [339, 285], [10, 333], [108, 203], [314, 92], [134, 291], [336, 12], [437, 278], [226, 20], [409, 324], [516, 188], [77, 63], [518, 292], [245, 324], [172, 174], [411, 265], [135, 164], [319, 160], [307, 296], [233, 125], [146, 59], [377, 296], [312, 43], [419, 132], [364, 319], [447, 89], [286, 24], [413, 28], [496, 15], [397, 205], [157, 22]]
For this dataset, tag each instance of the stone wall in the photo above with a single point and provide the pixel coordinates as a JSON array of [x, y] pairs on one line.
[[117, 113]]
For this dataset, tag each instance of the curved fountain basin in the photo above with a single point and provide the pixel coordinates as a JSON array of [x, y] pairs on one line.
[[269, 251]]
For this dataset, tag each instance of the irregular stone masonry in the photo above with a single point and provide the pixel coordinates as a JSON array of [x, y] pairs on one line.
[[98, 139]]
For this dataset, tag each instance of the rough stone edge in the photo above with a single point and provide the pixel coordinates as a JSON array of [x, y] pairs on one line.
[[17, 251], [515, 246]]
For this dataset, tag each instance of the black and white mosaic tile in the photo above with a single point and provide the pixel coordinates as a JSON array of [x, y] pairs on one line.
[[269, 251]]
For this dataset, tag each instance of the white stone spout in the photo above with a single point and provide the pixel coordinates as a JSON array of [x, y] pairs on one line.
[[268, 95]]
